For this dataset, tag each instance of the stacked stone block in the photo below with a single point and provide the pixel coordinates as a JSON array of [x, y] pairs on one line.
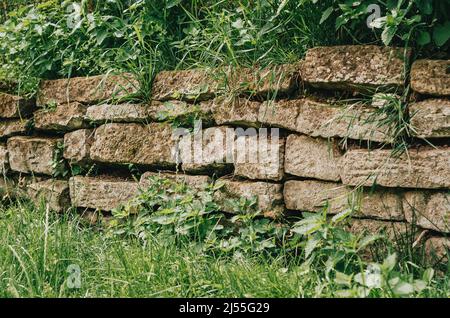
[[331, 153]]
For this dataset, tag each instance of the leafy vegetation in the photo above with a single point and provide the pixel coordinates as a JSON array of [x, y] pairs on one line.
[[47, 255], [57, 39]]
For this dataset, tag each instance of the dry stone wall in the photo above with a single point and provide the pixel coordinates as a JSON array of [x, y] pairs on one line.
[[334, 150]]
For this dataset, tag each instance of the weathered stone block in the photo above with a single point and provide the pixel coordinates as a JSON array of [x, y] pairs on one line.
[[264, 157], [155, 111], [55, 193], [268, 196], [189, 85], [312, 157], [101, 193], [206, 150], [65, 117], [194, 182], [267, 82], [431, 118], [354, 67], [12, 106], [134, 143], [392, 230], [431, 77], [106, 113], [13, 127], [4, 159], [33, 155], [77, 146], [319, 119], [314, 196], [419, 168], [86, 90], [236, 111], [429, 210]]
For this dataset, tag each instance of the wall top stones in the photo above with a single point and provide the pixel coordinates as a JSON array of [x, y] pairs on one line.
[[354, 67], [86, 90]]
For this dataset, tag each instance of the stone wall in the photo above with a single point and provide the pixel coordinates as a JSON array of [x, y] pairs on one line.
[[335, 150]]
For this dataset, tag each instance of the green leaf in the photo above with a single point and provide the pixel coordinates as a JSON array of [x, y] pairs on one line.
[[341, 216], [311, 246], [441, 33], [428, 275], [101, 35], [425, 6], [172, 3], [424, 38], [388, 34], [326, 14], [403, 289], [389, 262]]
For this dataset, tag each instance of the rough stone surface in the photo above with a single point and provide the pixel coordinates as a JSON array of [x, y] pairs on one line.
[[355, 67], [393, 230], [419, 168], [100, 193], [195, 182], [429, 210], [65, 117], [134, 143], [189, 85], [314, 196], [86, 90], [155, 111], [13, 127], [312, 157], [32, 155], [431, 118], [269, 197], [236, 111], [437, 248], [55, 193], [320, 119], [106, 113], [77, 145], [4, 159], [206, 150], [431, 77], [12, 106], [264, 158], [267, 82]]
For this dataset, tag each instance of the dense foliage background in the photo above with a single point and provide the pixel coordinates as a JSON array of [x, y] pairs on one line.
[[53, 39]]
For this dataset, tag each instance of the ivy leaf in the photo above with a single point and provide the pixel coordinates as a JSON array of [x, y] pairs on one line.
[[441, 33], [326, 14]]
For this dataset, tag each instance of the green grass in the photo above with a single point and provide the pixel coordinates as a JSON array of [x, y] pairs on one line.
[[36, 250]]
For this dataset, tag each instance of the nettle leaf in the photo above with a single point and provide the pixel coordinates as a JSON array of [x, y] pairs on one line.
[[388, 34], [311, 245], [441, 33]]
